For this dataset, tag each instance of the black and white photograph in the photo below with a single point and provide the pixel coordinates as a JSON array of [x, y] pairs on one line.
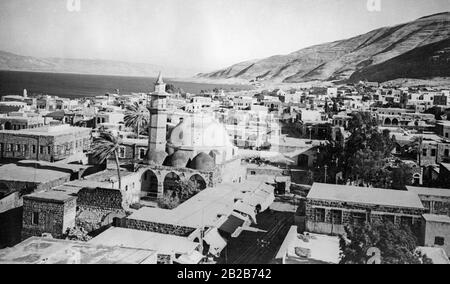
[[235, 133]]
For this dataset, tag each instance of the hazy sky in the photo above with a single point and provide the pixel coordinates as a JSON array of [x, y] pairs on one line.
[[200, 34]]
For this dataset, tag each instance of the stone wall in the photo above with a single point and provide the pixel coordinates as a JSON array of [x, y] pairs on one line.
[[97, 208], [157, 227]]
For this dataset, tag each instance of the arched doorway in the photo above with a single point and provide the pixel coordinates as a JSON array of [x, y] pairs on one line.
[[387, 121], [149, 184], [198, 181], [417, 178], [171, 181]]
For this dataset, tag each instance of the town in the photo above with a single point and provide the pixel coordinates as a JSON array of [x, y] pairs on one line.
[[294, 175]]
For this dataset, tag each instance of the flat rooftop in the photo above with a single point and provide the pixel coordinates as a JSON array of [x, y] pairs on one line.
[[322, 248], [13, 172], [161, 243], [365, 195], [437, 255], [442, 192], [52, 251], [201, 210], [55, 196], [49, 130], [437, 218]]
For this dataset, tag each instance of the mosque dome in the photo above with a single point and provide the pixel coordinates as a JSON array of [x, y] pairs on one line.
[[179, 159], [199, 131], [157, 157], [202, 162]]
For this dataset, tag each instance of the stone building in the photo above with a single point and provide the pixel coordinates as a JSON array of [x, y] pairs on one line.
[[329, 208], [435, 200], [50, 212], [18, 121], [435, 231], [50, 143], [24, 178]]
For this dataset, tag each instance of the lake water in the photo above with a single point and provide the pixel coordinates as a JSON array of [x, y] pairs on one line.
[[75, 85]]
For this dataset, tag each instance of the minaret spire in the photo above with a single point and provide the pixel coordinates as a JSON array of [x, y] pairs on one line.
[[160, 79]]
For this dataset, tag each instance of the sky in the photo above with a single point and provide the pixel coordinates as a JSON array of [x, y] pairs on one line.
[[197, 34]]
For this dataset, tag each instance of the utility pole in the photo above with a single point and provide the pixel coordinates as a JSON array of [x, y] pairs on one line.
[[326, 167]]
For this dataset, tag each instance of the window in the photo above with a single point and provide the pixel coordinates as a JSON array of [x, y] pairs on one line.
[[439, 241], [336, 217], [41, 150], [424, 152], [433, 152], [2, 145], [406, 221], [35, 218], [122, 152], [252, 173], [389, 219], [25, 148], [10, 147], [319, 215], [18, 148], [142, 153], [359, 218], [49, 150], [33, 149], [446, 135], [447, 153]]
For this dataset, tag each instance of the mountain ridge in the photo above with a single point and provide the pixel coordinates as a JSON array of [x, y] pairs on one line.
[[338, 60]]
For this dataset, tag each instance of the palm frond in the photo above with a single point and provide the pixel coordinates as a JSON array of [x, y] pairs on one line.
[[136, 116], [104, 146]]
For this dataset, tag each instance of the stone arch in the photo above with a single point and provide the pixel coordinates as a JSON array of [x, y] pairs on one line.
[[387, 121], [199, 181], [149, 184], [171, 181], [8, 125], [395, 121]]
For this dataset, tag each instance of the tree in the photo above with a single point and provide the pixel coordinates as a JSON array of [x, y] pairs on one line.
[[137, 117], [169, 201], [76, 234], [186, 189], [171, 89], [105, 146], [396, 244], [402, 175]]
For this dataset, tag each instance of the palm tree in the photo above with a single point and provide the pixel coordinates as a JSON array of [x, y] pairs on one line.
[[136, 117], [105, 146]]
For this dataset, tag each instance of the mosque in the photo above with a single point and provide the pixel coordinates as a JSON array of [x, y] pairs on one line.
[[197, 149]]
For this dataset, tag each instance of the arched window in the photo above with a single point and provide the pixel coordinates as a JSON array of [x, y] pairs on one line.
[[198, 181]]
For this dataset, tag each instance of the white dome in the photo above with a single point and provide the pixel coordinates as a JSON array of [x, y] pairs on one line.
[[199, 131]]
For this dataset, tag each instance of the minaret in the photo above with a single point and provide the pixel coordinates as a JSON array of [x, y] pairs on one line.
[[158, 117]]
